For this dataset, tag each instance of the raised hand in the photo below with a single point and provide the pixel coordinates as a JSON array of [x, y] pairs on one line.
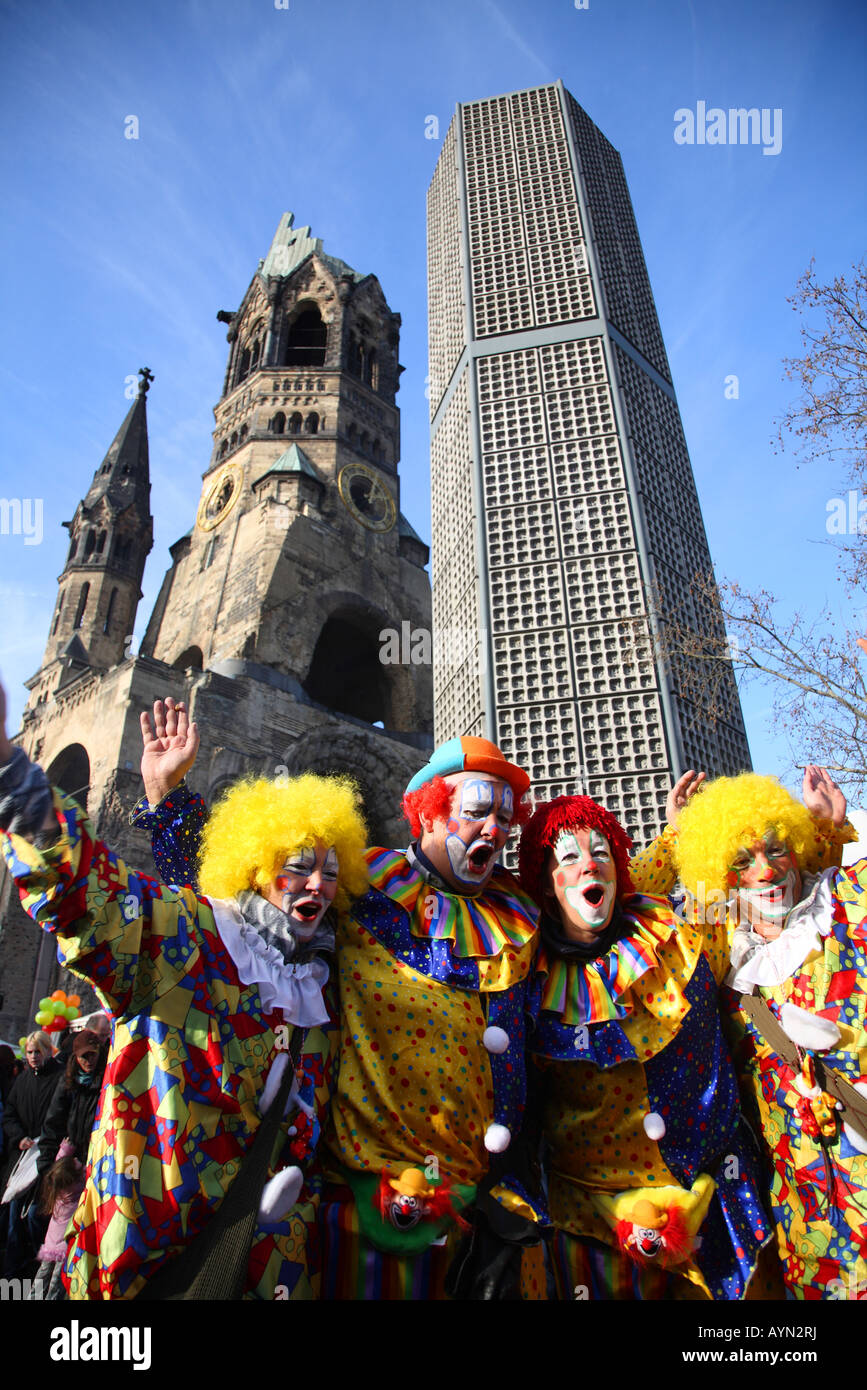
[[822, 796], [169, 748], [683, 790]]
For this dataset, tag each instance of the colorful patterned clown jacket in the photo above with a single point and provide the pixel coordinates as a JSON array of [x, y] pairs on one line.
[[640, 1106], [432, 1072], [192, 1048], [819, 1190]]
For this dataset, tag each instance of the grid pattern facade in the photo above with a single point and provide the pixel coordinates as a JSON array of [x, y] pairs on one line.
[[528, 263], [563, 572], [576, 458], [459, 644], [622, 269], [679, 550], [444, 275]]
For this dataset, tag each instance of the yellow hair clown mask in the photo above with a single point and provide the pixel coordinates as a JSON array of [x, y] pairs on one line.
[[258, 822], [734, 812]]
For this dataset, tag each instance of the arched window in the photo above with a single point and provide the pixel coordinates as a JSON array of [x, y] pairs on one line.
[[234, 440], [100, 543], [311, 424], [82, 604], [352, 434], [73, 546], [278, 424], [59, 611], [109, 612], [364, 442], [254, 360], [70, 771], [190, 659], [208, 553], [295, 424], [224, 448], [376, 450], [242, 435], [371, 371], [89, 543], [307, 339], [244, 369], [346, 673]]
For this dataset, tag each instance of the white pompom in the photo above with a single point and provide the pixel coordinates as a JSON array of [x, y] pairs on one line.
[[654, 1126], [808, 1030], [497, 1139], [495, 1039], [280, 1194]]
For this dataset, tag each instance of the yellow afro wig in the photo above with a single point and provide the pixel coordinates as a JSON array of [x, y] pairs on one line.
[[736, 811], [258, 822]]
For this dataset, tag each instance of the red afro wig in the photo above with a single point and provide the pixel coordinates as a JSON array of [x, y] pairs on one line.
[[434, 802], [546, 825]]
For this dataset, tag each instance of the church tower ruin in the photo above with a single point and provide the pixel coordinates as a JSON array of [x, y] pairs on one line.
[[269, 620]]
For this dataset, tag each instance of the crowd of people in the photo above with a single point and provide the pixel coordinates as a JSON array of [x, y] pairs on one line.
[[411, 1074]]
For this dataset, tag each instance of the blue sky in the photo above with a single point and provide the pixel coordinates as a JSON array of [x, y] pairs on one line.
[[118, 253]]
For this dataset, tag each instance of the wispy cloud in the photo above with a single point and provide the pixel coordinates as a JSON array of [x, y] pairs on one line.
[[511, 33]]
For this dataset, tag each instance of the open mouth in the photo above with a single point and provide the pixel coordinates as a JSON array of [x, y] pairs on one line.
[[404, 1217], [594, 894], [480, 857], [307, 910]]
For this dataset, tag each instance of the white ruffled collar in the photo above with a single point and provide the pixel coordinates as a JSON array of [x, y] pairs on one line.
[[757, 963], [294, 988]]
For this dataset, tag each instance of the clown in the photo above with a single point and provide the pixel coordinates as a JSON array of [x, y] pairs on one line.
[[797, 932], [653, 1184], [433, 965], [210, 997]]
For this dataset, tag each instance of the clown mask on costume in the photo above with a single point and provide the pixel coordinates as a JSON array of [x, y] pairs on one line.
[[766, 882], [304, 887], [465, 848], [582, 883]]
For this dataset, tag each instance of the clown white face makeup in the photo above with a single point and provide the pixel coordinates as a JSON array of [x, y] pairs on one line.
[[582, 882], [464, 849], [767, 883], [304, 887]]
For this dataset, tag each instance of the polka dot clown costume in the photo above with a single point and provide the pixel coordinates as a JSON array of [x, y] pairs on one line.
[[811, 971], [654, 1182], [433, 969], [206, 994]]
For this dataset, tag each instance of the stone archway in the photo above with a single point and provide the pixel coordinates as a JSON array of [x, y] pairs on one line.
[[380, 767], [346, 674], [70, 771]]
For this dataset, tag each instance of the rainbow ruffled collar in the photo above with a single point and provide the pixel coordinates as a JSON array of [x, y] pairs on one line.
[[608, 989], [479, 928]]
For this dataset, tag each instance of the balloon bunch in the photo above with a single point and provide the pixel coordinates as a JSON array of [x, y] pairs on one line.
[[57, 1011]]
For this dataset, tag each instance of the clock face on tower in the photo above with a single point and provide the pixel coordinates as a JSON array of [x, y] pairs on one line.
[[221, 491], [366, 497]]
